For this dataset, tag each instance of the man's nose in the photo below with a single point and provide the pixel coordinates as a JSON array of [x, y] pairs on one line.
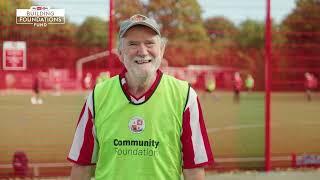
[[142, 50]]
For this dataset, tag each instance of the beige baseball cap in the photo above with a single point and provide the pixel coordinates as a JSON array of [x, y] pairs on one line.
[[138, 19]]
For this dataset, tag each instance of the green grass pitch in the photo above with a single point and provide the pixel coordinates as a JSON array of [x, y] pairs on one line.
[[45, 131]]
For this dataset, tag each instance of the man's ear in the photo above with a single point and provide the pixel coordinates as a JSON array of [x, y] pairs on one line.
[[163, 46], [162, 50], [119, 54]]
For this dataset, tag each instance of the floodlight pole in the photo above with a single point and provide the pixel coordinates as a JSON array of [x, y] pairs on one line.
[[110, 45], [267, 87]]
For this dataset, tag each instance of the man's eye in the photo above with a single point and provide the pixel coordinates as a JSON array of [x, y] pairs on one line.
[[150, 43], [132, 44]]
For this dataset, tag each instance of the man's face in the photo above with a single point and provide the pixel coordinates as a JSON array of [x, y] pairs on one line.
[[141, 52]]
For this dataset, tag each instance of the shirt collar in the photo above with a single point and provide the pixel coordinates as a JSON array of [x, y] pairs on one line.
[[143, 98]]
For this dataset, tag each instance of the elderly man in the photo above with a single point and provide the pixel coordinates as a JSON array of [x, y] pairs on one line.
[[141, 124]]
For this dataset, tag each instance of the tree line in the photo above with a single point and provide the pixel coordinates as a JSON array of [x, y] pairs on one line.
[[192, 39]]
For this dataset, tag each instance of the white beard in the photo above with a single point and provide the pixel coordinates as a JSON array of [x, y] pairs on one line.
[[144, 74]]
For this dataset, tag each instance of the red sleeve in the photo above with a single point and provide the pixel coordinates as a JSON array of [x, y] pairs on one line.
[[195, 142], [84, 146]]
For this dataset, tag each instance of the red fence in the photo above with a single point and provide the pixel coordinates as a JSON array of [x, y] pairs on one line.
[[67, 80], [54, 59]]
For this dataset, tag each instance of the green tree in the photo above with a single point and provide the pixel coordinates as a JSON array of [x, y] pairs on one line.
[[181, 20], [93, 31], [300, 49], [220, 28], [64, 32], [182, 24], [222, 32], [8, 15], [8, 10], [126, 8], [250, 53], [251, 34], [304, 19], [302, 27]]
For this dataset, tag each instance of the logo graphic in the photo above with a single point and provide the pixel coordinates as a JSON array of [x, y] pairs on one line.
[[138, 18], [14, 55], [136, 125], [40, 16]]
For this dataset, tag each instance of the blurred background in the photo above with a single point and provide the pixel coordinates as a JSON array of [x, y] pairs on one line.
[[219, 47]]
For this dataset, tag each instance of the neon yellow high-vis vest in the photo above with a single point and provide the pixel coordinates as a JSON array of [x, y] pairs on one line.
[[139, 141], [249, 82], [211, 85]]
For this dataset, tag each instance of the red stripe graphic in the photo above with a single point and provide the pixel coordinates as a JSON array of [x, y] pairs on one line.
[[88, 142], [82, 111], [187, 148], [204, 134]]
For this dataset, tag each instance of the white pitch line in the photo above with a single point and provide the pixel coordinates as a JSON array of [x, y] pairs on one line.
[[232, 128], [249, 126], [251, 159], [218, 160], [40, 165]]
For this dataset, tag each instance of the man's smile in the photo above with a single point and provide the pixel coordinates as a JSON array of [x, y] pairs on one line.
[[142, 61]]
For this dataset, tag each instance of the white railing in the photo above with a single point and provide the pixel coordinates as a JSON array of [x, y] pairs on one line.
[[36, 166]]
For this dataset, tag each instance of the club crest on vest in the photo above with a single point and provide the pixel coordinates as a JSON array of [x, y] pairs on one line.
[[136, 125]]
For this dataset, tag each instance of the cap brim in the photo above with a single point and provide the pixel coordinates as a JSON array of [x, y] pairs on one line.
[[139, 23]]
